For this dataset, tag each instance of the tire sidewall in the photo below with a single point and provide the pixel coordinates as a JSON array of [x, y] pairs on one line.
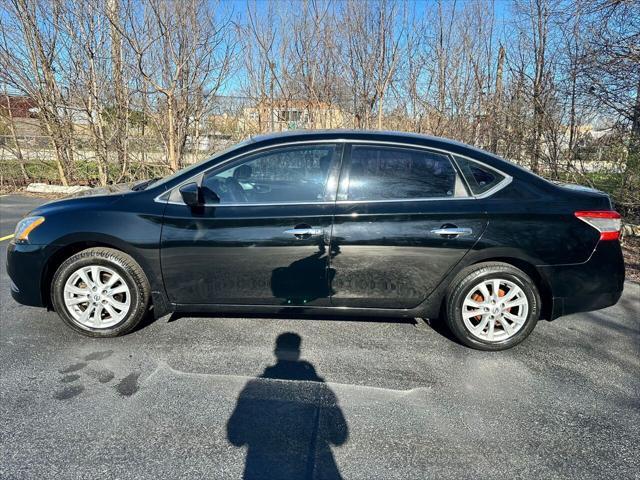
[[456, 305], [81, 260]]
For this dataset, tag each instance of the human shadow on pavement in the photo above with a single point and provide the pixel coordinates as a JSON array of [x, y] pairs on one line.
[[288, 418]]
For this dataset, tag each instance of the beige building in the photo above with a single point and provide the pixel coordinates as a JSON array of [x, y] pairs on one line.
[[281, 115]]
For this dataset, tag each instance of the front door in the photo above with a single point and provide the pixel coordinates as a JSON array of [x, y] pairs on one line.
[[403, 219], [267, 240]]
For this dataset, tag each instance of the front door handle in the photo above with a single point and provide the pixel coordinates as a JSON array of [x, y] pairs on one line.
[[452, 231], [304, 232]]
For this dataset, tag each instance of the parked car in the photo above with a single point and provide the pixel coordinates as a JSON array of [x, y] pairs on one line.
[[336, 222]]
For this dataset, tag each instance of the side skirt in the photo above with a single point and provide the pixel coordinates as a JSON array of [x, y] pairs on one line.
[[298, 310]]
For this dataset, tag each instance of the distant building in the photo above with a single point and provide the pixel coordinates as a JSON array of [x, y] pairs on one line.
[[20, 106], [24, 111], [283, 114]]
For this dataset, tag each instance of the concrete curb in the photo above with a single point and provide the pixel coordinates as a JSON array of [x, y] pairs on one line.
[[46, 188]]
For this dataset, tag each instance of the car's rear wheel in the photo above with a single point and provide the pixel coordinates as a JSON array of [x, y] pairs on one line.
[[492, 306], [100, 292]]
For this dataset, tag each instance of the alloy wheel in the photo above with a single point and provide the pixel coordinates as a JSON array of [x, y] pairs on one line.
[[97, 296], [495, 310]]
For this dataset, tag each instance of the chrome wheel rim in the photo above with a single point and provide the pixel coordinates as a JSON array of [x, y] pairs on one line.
[[97, 297], [495, 310]]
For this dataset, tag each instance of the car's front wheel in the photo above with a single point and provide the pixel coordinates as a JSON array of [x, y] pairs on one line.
[[100, 292], [492, 306]]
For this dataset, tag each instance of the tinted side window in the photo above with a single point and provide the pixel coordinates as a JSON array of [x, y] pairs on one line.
[[388, 173], [479, 178], [284, 175]]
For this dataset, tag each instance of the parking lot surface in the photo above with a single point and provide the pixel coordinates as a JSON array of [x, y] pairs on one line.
[[205, 397]]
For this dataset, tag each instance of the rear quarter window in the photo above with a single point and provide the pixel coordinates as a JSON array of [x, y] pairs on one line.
[[480, 178]]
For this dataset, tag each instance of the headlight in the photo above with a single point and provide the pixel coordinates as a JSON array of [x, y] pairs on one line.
[[25, 227]]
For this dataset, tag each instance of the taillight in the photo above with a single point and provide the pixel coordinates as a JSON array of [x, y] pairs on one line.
[[607, 222]]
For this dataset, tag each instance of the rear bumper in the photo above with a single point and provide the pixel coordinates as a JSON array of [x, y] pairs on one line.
[[567, 305], [592, 285], [25, 264]]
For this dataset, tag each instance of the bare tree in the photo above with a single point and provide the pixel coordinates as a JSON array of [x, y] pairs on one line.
[[314, 74], [373, 38], [141, 77], [183, 51], [611, 57], [533, 19], [610, 75], [119, 81], [85, 33], [263, 63], [30, 54]]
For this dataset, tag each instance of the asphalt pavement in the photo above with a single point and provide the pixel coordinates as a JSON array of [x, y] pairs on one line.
[[205, 397]]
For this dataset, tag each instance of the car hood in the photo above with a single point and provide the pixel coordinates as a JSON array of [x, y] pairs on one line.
[[91, 198]]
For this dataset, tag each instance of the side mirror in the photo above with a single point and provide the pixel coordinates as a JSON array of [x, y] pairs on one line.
[[208, 196], [191, 194]]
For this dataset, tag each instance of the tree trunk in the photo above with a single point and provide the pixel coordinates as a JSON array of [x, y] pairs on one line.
[[635, 129], [171, 140], [96, 120], [121, 133], [60, 159], [380, 105], [14, 136], [538, 82], [497, 102]]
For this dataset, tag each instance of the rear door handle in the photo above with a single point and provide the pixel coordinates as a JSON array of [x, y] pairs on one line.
[[452, 231], [304, 231]]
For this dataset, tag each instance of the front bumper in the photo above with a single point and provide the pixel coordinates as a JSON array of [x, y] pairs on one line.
[[592, 285], [25, 266]]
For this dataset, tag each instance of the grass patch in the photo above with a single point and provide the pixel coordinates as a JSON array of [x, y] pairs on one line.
[[84, 172]]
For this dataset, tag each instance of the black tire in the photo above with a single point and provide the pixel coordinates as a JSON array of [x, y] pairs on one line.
[[467, 280], [129, 271]]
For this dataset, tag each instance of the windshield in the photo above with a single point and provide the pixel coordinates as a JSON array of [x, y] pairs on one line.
[[188, 169]]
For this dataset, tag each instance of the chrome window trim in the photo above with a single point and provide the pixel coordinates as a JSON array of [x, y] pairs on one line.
[[506, 181], [404, 200], [256, 204]]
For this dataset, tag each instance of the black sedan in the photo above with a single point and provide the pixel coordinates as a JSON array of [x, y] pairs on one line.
[[350, 223]]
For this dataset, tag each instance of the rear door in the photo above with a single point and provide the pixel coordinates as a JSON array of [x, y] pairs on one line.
[[404, 218], [266, 241]]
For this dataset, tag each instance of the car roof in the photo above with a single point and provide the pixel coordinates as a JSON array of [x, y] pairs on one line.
[[354, 134], [375, 135]]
